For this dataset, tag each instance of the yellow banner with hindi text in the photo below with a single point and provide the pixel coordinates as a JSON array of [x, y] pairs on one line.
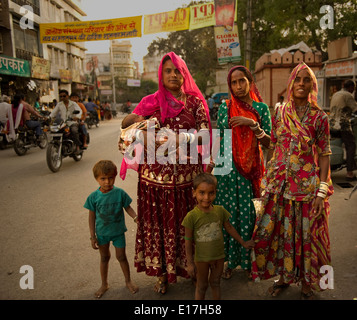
[[77, 31], [167, 21]]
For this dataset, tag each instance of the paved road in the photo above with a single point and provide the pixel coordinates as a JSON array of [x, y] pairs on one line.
[[43, 224]]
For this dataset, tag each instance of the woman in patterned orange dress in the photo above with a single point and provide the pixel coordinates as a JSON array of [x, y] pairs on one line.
[[292, 238]]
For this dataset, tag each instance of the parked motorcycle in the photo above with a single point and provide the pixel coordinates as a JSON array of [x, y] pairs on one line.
[[338, 156], [26, 138], [91, 120], [62, 145]]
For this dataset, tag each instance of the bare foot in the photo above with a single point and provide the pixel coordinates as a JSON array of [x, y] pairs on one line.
[[101, 291], [132, 287]]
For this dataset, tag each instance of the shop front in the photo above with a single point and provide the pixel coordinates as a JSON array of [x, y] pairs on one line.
[[332, 77]]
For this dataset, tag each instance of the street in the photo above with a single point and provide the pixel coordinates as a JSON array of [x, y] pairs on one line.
[[43, 225]]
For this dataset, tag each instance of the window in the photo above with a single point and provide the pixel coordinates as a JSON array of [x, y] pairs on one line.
[[26, 40]]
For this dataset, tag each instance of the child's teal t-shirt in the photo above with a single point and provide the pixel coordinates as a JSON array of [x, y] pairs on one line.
[[207, 232], [108, 208]]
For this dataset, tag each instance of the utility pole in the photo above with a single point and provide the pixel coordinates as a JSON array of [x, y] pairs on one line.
[[248, 38], [113, 77]]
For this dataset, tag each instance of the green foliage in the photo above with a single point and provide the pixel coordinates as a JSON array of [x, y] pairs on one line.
[[280, 23]]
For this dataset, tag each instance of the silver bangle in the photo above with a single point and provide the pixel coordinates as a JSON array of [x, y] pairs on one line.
[[137, 135]]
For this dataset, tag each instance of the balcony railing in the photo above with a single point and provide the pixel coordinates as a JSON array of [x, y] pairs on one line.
[[26, 55]]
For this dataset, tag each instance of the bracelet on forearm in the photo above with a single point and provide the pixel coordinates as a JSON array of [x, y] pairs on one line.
[[261, 135], [188, 137], [323, 189], [137, 135], [255, 127]]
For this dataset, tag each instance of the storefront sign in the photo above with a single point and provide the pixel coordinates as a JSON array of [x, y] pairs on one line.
[[341, 68], [227, 45], [133, 82], [167, 21], [106, 92], [40, 68], [14, 66], [65, 76], [202, 15], [91, 30]]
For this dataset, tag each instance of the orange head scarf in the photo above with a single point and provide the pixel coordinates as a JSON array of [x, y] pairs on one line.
[[247, 154]]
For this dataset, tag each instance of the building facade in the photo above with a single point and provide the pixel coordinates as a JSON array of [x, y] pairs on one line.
[[45, 68], [272, 70]]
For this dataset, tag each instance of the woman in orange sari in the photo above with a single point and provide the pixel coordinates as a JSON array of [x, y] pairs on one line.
[[249, 119], [292, 239]]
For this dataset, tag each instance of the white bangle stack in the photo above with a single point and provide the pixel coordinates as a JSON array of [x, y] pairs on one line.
[[137, 135], [322, 193], [189, 137], [256, 127]]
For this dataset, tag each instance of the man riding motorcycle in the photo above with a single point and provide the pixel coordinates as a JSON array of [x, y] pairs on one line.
[[75, 97], [65, 108], [30, 123]]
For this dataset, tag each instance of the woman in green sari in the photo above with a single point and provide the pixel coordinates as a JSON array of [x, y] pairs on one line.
[[250, 123]]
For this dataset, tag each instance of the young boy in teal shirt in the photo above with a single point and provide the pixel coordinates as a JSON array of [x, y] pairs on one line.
[[107, 223]]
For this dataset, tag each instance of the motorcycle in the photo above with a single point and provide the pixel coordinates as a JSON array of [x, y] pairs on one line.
[[26, 138], [62, 145], [338, 156], [91, 120]]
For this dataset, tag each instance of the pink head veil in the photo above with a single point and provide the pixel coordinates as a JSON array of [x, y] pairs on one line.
[[163, 100]]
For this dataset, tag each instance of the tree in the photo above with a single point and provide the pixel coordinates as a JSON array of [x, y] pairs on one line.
[[280, 23]]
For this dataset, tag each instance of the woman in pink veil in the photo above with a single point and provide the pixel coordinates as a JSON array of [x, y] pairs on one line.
[[165, 190]]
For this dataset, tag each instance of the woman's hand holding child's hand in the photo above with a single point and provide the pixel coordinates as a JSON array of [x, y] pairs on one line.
[[249, 244]]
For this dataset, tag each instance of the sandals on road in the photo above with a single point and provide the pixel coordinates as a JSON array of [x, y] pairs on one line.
[[161, 285]]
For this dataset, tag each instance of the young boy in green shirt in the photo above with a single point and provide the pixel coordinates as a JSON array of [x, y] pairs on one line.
[[203, 226], [106, 222]]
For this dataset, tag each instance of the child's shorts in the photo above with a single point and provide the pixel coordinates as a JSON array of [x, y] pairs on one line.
[[118, 241]]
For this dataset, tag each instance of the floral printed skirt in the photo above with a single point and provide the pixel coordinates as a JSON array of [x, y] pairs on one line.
[[290, 242], [160, 244]]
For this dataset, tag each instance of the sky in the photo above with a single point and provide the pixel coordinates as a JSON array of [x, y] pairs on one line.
[[111, 9]]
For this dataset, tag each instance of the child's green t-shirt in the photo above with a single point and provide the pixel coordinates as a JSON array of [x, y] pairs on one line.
[[108, 208], [207, 232]]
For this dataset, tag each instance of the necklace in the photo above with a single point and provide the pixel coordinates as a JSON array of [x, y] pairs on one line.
[[301, 108], [179, 95]]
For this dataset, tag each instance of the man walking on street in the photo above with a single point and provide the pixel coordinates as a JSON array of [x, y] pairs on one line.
[[342, 106]]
